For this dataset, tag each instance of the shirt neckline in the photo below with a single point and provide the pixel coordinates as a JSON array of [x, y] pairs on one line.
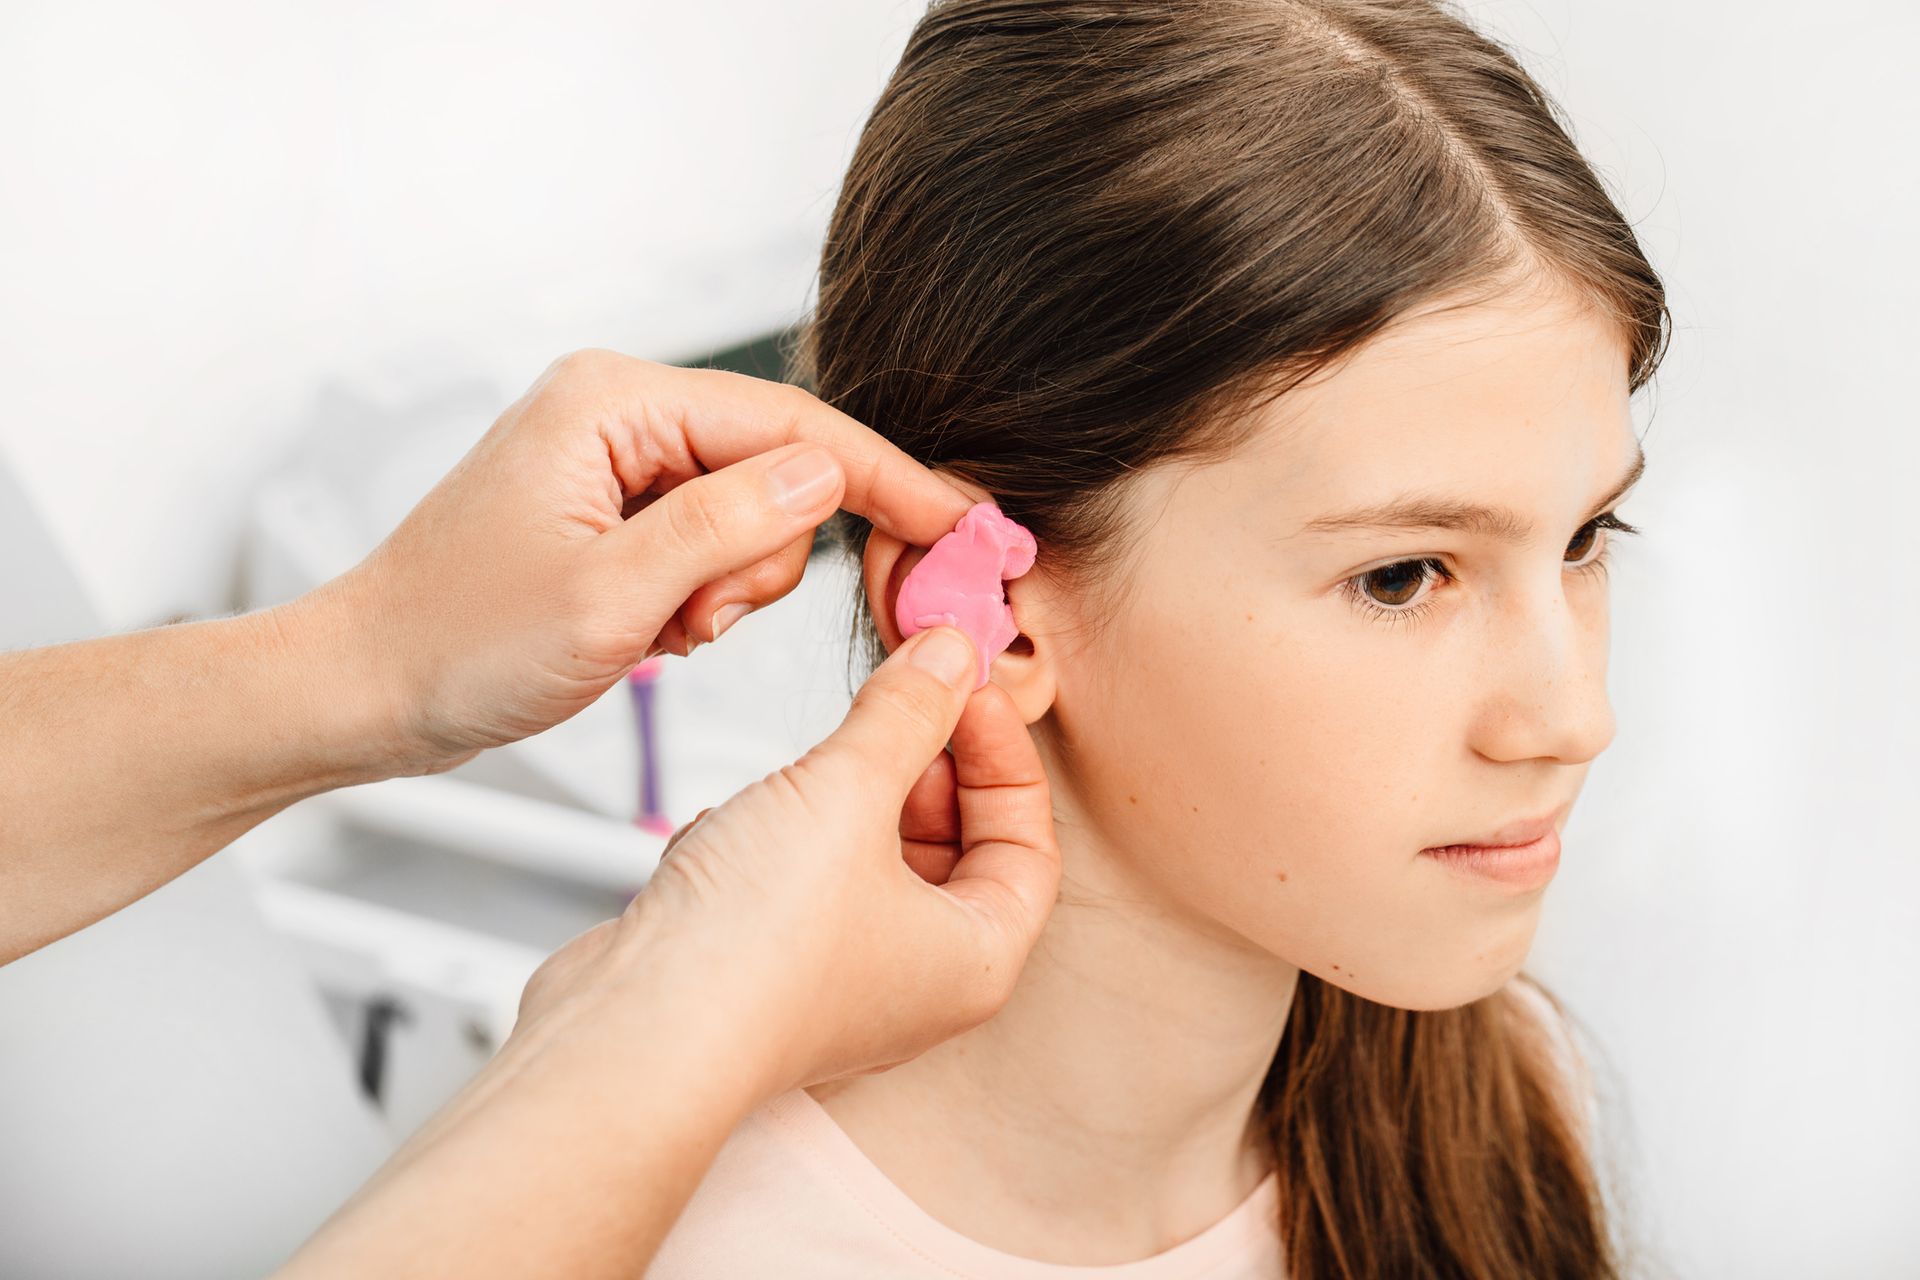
[[813, 1127]]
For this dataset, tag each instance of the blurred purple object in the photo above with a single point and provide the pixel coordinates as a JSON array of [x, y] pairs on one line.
[[641, 680]]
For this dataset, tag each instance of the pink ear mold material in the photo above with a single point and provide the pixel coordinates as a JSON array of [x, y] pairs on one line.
[[959, 582]]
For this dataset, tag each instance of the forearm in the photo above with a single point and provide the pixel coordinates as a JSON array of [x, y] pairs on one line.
[[572, 1153], [125, 760]]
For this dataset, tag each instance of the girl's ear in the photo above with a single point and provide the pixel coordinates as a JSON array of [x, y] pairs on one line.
[[1024, 670]]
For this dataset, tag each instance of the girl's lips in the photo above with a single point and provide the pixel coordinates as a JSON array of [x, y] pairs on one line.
[[1513, 835], [1526, 866]]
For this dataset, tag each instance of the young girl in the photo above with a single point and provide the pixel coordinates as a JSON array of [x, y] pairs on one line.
[[1303, 339]]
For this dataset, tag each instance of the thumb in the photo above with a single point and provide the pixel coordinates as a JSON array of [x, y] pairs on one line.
[[902, 716], [719, 523]]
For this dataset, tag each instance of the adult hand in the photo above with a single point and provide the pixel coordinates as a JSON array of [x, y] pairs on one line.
[[847, 912], [837, 917], [618, 509]]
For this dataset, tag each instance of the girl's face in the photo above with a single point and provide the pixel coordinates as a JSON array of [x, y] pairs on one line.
[[1287, 706]]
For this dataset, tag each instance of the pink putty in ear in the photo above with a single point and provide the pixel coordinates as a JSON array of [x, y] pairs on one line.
[[958, 582]]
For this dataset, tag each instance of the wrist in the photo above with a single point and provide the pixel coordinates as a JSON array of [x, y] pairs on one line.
[[336, 653]]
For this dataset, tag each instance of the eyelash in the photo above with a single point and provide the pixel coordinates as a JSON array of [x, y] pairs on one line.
[[1412, 613]]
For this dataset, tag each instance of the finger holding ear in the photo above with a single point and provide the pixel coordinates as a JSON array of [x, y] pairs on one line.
[[713, 418], [720, 523], [900, 719]]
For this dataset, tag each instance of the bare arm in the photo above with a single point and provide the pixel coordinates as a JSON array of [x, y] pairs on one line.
[[612, 512], [571, 1154], [607, 515], [127, 759]]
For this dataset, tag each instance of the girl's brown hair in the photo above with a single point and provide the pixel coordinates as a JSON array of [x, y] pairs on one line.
[[1079, 239]]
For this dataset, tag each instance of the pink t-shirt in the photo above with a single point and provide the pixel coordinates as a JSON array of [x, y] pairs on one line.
[[791, 1196]]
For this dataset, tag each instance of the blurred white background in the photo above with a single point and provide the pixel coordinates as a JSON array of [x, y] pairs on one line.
[[265, 271]]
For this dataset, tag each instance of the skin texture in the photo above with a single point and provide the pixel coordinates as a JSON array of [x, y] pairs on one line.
[[1245, 767]]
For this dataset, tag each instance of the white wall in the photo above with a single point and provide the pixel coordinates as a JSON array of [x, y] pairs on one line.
[[215, 212]]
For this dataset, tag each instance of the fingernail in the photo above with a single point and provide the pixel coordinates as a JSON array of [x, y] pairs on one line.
[[801, 481], [727, 615], [945, 653]]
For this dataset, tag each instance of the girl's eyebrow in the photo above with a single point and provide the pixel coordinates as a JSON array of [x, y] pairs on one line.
[[1425, 511]]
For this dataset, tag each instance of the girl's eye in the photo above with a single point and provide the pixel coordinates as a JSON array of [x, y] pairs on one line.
[[1392, 593]]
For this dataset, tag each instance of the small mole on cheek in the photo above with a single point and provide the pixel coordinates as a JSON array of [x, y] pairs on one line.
[[1336, 968], [1249, 617], [1133, 799], [1283, 875]]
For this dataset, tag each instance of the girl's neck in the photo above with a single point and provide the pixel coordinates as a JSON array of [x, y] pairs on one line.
[[1106, 1112]]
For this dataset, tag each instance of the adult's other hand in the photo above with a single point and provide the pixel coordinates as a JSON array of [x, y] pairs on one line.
[[618, 509]]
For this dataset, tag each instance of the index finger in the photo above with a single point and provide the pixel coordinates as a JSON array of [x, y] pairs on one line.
[[722, 417]]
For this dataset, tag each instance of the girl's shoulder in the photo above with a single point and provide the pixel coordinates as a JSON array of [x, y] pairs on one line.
[[791, 1195], [766, 1206]]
